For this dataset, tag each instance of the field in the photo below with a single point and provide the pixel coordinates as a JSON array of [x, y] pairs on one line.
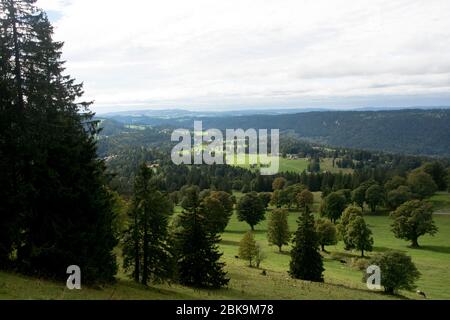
[[295, 165], [342, 280], [432, 259], [441, 203]]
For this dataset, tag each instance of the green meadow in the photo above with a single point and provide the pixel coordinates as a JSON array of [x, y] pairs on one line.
[[288, 165], [343, 280]]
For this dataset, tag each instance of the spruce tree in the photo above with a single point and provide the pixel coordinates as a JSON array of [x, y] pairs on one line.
[[197, 247], [146, 246], [56, 194], [306, 261]]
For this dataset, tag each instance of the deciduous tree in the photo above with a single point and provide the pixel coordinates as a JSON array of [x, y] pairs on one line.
[[278, 229], [412, 220], [279, 183], [248, 248], [250, 209], [374, 196], [332, 206], [359, 236], [421, 184], [326, 232], [398, 272]]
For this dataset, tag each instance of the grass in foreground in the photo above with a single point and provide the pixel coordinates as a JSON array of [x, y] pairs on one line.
[[342, 280], [246, 283]]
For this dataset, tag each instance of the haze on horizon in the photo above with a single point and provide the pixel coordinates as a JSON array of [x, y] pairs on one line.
[[244, 54]]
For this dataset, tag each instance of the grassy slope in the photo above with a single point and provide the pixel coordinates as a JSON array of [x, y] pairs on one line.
[[433, 259], [342, 281], [441, 202], [246, 283], [299, 165]]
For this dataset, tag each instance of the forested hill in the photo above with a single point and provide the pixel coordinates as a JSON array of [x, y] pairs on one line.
[[420, 132], [410, 131]]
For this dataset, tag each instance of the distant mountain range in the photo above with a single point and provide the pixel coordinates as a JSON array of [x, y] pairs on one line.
[[411, 131], [181, 113]]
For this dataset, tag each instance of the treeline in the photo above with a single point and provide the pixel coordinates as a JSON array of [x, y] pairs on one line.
[[123, 167], [414, 132], [127, 148]]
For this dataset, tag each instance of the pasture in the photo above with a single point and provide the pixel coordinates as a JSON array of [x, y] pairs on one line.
[[342, 280]]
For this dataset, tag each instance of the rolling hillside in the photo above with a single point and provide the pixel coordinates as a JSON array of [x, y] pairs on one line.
[[417, 132]]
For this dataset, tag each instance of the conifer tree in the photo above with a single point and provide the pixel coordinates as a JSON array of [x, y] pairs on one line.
[[60, 208], [197, 247], [306, 261], [146, 246]]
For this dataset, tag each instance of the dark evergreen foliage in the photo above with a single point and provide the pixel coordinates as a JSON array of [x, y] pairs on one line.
[[197, 248], [146, 246], [306, 261], [55, 210]]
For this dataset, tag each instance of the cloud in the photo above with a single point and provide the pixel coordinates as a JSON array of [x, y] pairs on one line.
[[251, 53], [53, 5]]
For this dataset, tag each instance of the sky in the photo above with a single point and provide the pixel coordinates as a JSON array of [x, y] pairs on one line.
[[254, 54]]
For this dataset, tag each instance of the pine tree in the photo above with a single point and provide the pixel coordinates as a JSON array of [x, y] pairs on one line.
[[146, 246], [56, 183], [197, 248], [306, 261], [11, 130]]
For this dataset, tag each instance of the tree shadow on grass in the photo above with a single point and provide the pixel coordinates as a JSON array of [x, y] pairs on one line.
[[229, 243], [381, 249], [284, 252], [244, 231], [438, 249]]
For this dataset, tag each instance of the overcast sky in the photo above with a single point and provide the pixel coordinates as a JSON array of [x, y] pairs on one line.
[[233, 54]]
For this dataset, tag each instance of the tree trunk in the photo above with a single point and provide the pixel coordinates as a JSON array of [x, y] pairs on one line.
[[362, 253], [145, 253], [323, 247], [415, 243], [389, 290], [279, 249], [253, 227], [137, 262]]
